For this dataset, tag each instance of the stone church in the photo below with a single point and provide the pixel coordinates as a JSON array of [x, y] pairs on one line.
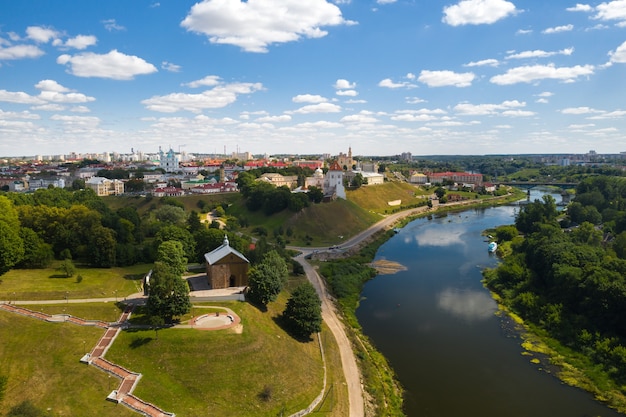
[[226, 267]]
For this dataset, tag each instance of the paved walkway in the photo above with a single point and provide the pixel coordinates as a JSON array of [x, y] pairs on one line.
[[95, 358]]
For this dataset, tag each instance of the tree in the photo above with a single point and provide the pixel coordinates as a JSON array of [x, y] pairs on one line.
[[177, 233], [11, 245], [316, 194], [440, 192], [67, 267], [357, 181], [304, 311], [102, 245], [171, 253], [37, 253], [170, 214], [169, 294], [268, 278], [193, 222]]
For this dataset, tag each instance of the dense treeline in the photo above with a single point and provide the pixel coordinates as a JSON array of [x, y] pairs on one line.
[[567, 273], [62, 223]]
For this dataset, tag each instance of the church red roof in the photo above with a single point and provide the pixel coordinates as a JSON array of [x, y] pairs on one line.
[[335, 167]]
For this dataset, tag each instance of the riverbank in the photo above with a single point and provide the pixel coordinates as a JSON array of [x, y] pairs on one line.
[[384, 394], [569, 366]]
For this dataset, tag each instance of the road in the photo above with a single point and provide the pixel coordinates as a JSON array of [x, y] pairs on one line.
[[330, 316]]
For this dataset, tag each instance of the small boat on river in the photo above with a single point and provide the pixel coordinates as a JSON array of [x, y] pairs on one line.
[[492, 247]]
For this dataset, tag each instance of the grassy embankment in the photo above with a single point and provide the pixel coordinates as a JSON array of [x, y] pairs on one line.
[[54, 349], [261, 372]]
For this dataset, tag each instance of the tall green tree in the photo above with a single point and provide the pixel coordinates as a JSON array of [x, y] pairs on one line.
[[37, 253], [168, 293], [267, 278], [102, 247], [11, 244], [303, 312]]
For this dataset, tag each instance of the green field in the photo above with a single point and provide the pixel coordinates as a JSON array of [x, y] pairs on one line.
[[51, 284], [187, 371], [376, 197]]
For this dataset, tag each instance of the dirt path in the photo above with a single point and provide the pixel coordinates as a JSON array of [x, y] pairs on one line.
[[348, 360]]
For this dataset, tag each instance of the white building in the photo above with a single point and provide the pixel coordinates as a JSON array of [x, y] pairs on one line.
[[333, 182], [104, 186]]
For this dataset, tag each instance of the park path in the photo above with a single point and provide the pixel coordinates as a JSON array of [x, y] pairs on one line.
[[348, 360], [129, 379]]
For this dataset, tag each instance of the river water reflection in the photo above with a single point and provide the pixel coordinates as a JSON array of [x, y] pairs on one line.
[[436, 324]]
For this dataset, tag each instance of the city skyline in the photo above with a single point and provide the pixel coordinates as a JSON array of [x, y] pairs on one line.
[[466, 77]]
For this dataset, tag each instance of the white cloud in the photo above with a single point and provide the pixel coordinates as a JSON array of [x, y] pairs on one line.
[[111, 25], [319, 108], [414, 100], [385, 1], [20, 52], [580, 8], [20, 115], [51, 85], [80, 109], [218, 97], [524, 32], [359, 118], [446, 78], [558, 29], [81, 121], [580, 110], [617, 114], [253, 25], [309, 98], [476, 12], [540, 54], [352, 101], [483, 63], [619, 55], [531, 73], [581, 126], [350, 93], [81, 41], [273, 119], [388, 83], [115, 65], [208, 81], [612, 10], [468, 109], [168, 66], [50, 107], [41, 34], [518, 113], [342, 84], [19, 97]]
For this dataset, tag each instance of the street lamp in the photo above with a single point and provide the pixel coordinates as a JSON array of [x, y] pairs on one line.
[[67, 293], [115, 295]]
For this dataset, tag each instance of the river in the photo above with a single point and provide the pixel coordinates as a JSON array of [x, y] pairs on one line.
[[436, 324]]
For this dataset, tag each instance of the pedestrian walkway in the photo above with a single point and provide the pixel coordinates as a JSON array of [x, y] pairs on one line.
[[95, 358]]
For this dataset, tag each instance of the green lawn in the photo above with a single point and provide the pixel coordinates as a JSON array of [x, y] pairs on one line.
[[377, 197], [41, 362], [187, 371], [50, 284]]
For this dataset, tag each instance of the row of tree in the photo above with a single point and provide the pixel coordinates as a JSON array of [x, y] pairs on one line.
[[571, 281]]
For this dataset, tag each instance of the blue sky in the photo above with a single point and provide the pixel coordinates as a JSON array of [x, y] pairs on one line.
[[313, 76]]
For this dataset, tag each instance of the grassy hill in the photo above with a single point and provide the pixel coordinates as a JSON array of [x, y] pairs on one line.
[[187, 371], [376, 197]]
